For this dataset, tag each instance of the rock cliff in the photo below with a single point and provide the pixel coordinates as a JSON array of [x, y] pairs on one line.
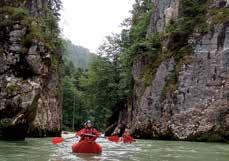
[[183, 94], [30, 77]]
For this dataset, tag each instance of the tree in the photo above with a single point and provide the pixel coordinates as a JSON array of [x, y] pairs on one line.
[[100, 90], [111, 47]]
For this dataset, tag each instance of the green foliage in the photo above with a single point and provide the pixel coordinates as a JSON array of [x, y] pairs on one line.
[[55, 62], [182, 53], [1, 51], [135, 41], [50, 30], [79, 56], [40, 28], [100, 90], [219, 15], [12, 88], [111, 47], [33, 32], [193, 15], [150, 44], [170, 84], [192, 19], [75, 107], [71, 101], [193, 8], [11, 15], [93, 93], [4, 123], [44, 29], [182, 26], [72, 96], [138, 31], [15, 13], [150, 70]]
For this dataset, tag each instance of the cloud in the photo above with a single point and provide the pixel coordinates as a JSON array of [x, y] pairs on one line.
[[87, 22]]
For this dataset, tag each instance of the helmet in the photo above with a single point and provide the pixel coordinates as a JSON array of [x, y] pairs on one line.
[[87, 122]]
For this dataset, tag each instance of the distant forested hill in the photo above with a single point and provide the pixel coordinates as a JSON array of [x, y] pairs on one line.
[[78, 55]]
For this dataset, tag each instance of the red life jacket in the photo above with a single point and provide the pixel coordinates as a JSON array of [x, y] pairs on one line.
[[91, 131], [127, 138]]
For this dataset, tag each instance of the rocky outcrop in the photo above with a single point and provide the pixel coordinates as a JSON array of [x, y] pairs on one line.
[[186, 98], [30, 82]]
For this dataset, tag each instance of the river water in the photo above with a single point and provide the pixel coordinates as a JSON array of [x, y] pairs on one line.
[[142, 150]]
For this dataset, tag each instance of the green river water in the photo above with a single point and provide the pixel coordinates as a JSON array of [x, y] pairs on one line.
[[142, 150]]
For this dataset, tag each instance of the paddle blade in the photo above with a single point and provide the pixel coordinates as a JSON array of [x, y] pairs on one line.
[[57, 140], [113, 138]]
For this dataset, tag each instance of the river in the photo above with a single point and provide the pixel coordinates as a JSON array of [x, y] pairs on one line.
[[142, 150]]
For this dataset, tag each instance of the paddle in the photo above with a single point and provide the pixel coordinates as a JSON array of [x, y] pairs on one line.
[[58, 140]]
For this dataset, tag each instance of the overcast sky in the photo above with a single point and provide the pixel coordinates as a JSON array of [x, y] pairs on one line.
[[87, 22]]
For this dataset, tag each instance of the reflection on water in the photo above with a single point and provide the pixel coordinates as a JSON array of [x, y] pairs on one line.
[[143, 150]]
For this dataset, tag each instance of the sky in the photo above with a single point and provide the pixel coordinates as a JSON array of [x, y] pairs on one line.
[[87, 22]]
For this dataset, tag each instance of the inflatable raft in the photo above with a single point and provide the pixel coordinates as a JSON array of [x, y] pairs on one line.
[[87, 147]]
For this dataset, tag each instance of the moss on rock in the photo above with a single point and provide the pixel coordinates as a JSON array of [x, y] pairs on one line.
[[219, 16], [12, 88]]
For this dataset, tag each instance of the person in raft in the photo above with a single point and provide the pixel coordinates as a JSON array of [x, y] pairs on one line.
[[126, 137], [87, 143], [88, 132], [114, 136]]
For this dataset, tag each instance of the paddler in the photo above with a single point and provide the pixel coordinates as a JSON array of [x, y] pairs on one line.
[[114, 136], [126, 137], [88, 132], [87, 142]]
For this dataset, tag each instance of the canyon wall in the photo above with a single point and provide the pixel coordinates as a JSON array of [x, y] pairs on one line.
[[183, 94], [30, 73]]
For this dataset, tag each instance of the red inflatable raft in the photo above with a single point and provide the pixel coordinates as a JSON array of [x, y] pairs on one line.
[[128, 139], [114, 138], [85, 146]]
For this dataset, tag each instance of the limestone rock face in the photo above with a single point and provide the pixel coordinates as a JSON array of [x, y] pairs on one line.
[[164, 11], [30, 100], [198, 108]]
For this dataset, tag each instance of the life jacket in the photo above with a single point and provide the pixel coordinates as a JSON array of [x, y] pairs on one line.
[[91, 131], [127, 138]]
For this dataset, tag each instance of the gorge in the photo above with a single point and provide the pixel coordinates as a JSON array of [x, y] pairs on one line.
[[165, 76]]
